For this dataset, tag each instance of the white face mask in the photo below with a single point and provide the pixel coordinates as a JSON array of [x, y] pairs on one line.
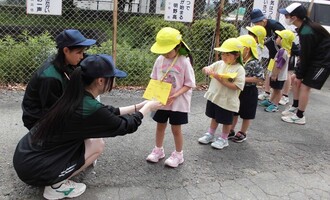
[[288, 21]]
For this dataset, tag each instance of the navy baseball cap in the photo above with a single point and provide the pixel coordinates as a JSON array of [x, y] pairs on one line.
[[294, 9], [72, 37], [100, 66], [256, 15]]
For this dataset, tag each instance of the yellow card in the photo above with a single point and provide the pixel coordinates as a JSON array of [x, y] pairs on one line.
[[229, 75], [271, 65], [158, 90]]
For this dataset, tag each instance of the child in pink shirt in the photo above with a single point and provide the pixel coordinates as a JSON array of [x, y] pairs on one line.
[[174, 67]]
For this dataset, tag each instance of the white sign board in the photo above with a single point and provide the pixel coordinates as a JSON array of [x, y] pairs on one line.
[[268, 7], [44, 7], [179, 10]]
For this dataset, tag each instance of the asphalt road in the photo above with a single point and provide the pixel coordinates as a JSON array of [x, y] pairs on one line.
[[278, 160]]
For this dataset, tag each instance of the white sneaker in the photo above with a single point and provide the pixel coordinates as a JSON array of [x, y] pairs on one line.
[[294, 119], [220, 143], [68, 189], [284, 100], [263, 96], [207, 138], [289, 111]]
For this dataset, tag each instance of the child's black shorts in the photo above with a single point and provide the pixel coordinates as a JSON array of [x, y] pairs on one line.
[[175, 118], [248, 102], [220, 115], [277, 85]]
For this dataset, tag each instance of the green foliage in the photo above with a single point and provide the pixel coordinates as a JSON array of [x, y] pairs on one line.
[[54, 22], [143, 31], [137, 63], [19, 58], [202, 42]]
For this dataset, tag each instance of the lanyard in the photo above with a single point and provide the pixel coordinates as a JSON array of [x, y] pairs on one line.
[[170, 67]]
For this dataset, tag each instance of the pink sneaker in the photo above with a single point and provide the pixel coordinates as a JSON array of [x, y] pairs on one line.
[[156, 155], [175, 159]]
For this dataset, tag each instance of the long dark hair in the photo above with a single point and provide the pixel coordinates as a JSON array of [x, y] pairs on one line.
[[60, 113], [315, 26], [62, 110]]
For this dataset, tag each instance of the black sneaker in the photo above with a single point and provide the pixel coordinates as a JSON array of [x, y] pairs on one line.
[[231, 135], [240, 138]]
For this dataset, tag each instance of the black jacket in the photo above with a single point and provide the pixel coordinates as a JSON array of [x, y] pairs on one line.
[[314, 50], [271, 27], [44, 88]]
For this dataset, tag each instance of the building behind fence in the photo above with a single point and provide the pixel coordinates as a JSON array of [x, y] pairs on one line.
[[27, 40]]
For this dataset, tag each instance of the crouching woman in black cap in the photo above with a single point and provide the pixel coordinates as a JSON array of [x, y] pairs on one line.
[[69, 137]]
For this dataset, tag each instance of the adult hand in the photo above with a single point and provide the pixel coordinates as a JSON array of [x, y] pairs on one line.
[[293, 76], [140, 105], [152, 105]]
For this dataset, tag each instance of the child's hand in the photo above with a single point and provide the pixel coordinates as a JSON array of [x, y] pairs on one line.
[[273, 77], [217, 77], [170, 100], [207, 71]]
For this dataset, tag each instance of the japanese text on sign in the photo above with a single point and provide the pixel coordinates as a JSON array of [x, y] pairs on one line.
[[268, 7], [44, 7], [179, 10]]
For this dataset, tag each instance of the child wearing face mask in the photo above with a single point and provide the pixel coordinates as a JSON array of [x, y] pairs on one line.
[[249, 96], [279, 73], [223, 93]]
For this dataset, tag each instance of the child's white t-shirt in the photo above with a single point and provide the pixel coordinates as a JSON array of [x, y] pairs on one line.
[[181, 74], [221, 95], [282, 62]]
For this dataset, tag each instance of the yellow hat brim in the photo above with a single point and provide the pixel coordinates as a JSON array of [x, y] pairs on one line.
[[161, 49]]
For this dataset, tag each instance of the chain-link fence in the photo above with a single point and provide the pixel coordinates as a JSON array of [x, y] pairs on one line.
[[27, 40]]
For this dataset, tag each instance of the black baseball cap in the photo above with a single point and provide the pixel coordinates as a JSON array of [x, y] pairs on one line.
[[72, 37], [100, 66]]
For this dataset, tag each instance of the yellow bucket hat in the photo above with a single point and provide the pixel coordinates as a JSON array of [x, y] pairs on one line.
[[287, 39], [230, 45], [250, 42], [166, 40], [259, 32]]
